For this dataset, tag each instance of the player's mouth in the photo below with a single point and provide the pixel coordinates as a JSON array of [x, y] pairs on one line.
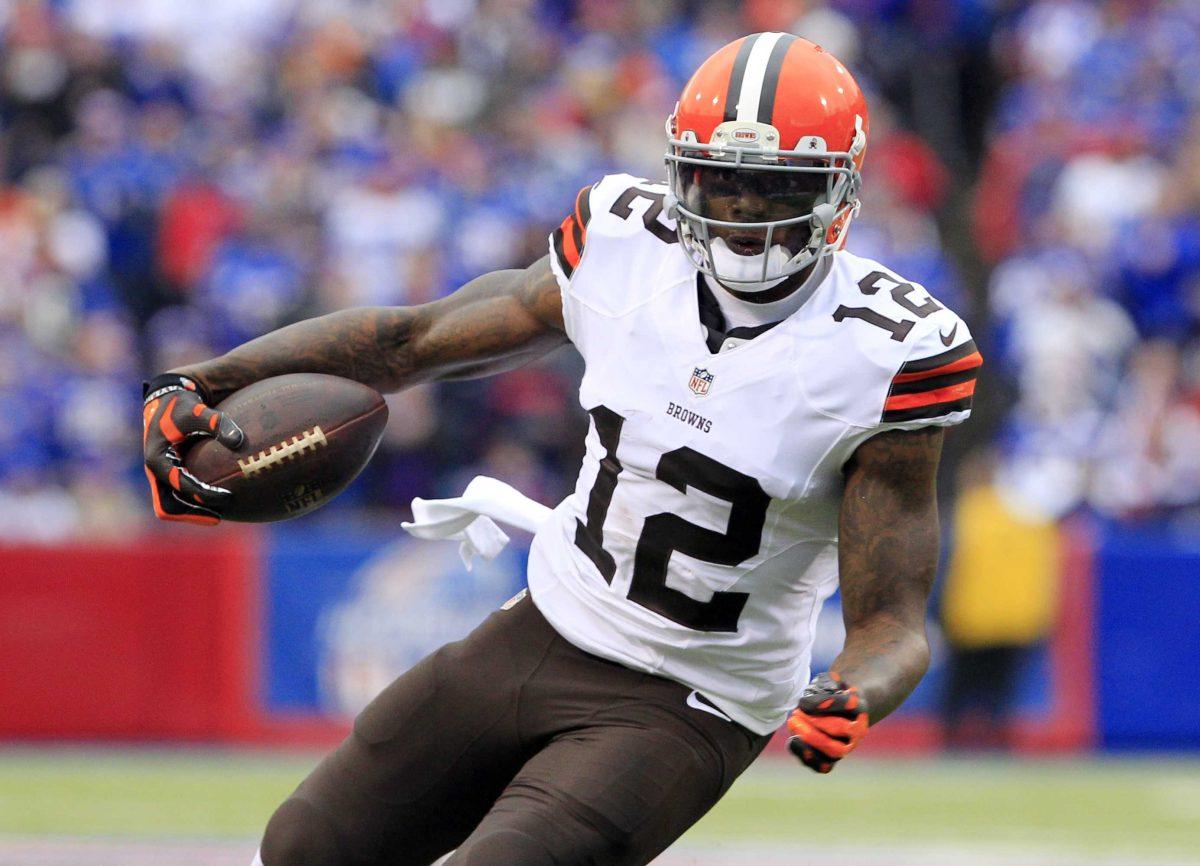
[[745, 244]]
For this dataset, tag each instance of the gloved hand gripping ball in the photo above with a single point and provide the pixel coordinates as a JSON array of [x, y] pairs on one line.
[[175, 412]]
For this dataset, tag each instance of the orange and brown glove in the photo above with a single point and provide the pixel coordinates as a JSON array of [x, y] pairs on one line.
[[175, 410], [829, 723]]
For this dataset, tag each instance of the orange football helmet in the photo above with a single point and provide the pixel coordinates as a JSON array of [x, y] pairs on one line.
[[777, 121]]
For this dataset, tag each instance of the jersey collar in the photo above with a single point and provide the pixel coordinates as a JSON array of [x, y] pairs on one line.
[[716, 334]]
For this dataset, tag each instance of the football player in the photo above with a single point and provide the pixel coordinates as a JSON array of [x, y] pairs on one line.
[[767, 413]]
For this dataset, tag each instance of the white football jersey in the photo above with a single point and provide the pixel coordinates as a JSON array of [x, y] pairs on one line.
[[701, 539]]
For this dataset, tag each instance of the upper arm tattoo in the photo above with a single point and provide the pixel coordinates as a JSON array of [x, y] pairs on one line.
[[888, 544], [496, 322], [887, 555]]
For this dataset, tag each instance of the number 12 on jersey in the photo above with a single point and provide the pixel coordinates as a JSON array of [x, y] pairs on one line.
[[666, 533]]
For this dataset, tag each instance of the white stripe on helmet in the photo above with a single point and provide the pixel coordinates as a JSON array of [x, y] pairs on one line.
[[756, 71]]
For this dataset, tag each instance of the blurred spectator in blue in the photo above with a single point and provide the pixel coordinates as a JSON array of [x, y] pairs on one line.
[[1089, 208], [1147, 460], [1159, 266]]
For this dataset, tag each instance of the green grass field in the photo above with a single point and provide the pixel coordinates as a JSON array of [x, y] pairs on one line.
[[214, 803]]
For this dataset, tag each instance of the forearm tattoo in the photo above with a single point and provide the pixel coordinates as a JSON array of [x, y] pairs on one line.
[[888, 551], [496, 322]]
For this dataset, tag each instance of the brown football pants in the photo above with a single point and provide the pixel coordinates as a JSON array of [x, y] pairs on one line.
[[515, 747]]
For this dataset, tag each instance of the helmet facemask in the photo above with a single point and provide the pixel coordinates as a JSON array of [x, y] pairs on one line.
[[750, 215]]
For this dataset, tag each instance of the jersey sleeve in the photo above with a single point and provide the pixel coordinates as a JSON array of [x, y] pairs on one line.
[[567, 243], [568, 240], [935, 385], [602, 251]]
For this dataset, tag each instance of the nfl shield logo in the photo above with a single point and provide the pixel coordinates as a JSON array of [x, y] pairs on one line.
[[700, 382]]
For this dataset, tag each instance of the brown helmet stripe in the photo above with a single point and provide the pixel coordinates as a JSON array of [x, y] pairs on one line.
[[738, 74], [766, 102]]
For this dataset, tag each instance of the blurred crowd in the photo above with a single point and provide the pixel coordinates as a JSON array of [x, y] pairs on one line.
[[176, 178], [1088, 209]]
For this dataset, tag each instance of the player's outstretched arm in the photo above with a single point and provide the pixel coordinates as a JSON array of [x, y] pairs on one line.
[[887, 558], [496, 322]]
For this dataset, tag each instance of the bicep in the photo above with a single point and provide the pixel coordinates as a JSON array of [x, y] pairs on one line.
[[888, 527], [496, 322]]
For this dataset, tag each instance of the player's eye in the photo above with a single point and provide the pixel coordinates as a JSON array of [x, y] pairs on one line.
[[796, 189], [716, 182], [714, 190], [780, 185]]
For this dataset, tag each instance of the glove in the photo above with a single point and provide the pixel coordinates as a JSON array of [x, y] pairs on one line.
[[829, 723], [175, 410]]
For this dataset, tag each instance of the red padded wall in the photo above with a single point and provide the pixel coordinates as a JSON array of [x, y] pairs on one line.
[[129, 640]]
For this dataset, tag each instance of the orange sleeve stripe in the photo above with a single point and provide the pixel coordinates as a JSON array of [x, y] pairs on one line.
[[972, 360], [928, 398], [571, 250], [569, 239]]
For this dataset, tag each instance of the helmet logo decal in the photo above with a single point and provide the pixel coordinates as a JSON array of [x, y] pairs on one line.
[[757, 138]]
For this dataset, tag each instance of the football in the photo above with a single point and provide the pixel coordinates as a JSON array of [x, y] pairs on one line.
[[308, 436]]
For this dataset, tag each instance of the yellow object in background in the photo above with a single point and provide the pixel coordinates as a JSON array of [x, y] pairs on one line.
[[1001, 585]]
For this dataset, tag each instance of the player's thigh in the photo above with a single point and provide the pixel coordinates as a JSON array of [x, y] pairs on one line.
[[425, 761], [608, 796]]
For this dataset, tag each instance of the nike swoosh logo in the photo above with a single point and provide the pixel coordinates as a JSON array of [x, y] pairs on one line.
[[947, 339], [697, 703]]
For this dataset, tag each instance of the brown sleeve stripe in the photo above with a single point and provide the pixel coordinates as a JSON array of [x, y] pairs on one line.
[[935, 410], [560, 253], [970, 362], [933, 382], [961, 357], [570, 237], [934, 361], [583, 208], [930, 398]]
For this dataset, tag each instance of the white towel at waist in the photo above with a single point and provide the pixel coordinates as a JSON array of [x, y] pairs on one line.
[[471, 518]]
